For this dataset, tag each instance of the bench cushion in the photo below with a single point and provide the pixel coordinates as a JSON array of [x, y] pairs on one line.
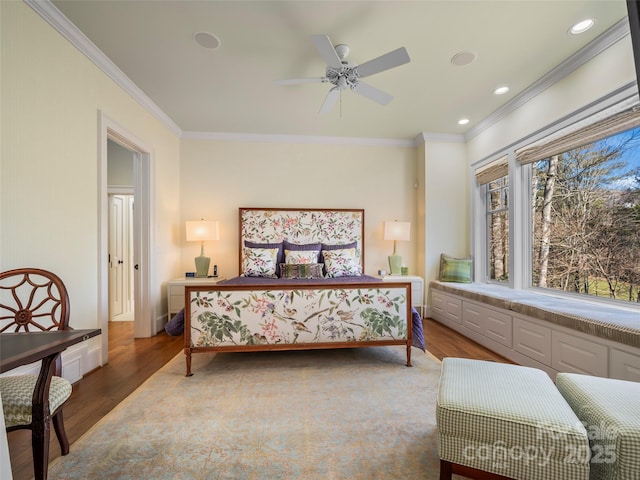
[[610, 411], [618, 324], [509, 420]]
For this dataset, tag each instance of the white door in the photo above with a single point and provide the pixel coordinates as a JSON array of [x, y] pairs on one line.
[[117, 245]]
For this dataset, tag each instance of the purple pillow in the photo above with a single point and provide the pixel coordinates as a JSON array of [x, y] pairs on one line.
[[280, 258], [301, 248]]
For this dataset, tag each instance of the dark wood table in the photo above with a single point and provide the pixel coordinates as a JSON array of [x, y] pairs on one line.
[[23, 348]]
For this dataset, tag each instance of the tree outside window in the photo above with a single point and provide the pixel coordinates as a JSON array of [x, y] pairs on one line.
[[497, 202], [586, 219]]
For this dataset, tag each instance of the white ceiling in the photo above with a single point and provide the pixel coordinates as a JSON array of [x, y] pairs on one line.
[[231, 89]]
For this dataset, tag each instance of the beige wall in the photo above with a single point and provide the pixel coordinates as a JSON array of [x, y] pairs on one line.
[[605, 73], [446, 205], [51, 95], [119, 166], [442, 207], [218, 177]]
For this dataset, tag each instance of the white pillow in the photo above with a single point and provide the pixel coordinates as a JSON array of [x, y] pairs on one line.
[[341, 263], [259, 262], [301, 256]]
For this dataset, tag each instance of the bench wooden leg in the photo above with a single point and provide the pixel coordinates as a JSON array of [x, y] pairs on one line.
[[445, 470]]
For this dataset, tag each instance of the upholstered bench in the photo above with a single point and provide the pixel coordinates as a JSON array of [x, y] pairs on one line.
[[507, 420], [610, 411]]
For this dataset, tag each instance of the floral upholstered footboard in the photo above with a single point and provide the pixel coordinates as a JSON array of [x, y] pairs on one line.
[[236, 318]]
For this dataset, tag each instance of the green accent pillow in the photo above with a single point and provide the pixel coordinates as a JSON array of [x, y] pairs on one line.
[[301, 270], [455, 269]]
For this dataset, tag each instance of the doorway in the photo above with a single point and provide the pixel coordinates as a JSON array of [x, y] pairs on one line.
[[142, 228]]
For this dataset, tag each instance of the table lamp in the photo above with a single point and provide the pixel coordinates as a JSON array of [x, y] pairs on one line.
[[202, 231], [396, 231]]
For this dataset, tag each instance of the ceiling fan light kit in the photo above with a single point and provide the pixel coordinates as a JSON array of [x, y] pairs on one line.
[[342, 74]]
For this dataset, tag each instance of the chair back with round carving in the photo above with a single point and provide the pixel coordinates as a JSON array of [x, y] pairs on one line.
[[32, 299]]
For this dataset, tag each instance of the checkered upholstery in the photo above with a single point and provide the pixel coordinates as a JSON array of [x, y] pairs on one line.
[[508, 420], [17, 392], [610, 411]]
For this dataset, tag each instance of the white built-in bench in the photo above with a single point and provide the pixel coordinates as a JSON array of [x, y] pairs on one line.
[[553, 333]]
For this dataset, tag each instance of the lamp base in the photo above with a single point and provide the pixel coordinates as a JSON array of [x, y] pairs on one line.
[[395, 264], [202, 266]]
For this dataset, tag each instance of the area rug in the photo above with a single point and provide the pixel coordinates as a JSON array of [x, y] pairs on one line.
[[322, 414]]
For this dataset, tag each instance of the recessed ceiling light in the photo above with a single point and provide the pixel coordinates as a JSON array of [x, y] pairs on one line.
[[461, 59], [206, 40], [501, 90], [463, 121], [582, 26]]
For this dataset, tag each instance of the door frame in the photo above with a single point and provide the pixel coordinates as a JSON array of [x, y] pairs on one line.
[[144, 228]]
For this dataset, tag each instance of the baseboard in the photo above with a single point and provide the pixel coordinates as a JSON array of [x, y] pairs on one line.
[[160, 322], [77, 360]]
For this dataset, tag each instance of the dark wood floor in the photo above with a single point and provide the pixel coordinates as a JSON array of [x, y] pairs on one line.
[[132, 361]]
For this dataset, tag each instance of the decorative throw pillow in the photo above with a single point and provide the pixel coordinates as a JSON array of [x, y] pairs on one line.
[[336, 247], [259, 262], [250, 244], [297, 246], [455, 269], [341, 263], [301, 270], [301, 256]]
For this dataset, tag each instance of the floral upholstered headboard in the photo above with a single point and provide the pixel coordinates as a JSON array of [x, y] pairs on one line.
[[302, 226]]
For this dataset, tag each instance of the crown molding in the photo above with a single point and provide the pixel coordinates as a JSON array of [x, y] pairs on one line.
[[50, 13], [425, 137], [299, 139], [571, 64]]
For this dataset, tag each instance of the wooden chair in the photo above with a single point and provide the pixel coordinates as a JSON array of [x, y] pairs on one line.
[[34, 300]]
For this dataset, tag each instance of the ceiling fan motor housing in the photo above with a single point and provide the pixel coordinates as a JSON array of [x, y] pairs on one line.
[[347, 73]]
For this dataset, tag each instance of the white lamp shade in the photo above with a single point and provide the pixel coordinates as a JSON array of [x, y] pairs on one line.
[[202, 231], [397, 231]]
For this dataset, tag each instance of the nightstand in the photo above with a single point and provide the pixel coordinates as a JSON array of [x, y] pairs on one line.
[[417, 288], [175, 291]]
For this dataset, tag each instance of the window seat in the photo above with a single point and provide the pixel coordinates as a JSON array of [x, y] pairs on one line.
[[605, 321], [543, 331]]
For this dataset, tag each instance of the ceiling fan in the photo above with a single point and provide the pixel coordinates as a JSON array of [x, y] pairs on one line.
[[342, 74]]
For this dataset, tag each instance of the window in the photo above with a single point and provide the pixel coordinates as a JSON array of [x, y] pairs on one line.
[[497, 205], [567, 218], [494, 184], [586, 219]]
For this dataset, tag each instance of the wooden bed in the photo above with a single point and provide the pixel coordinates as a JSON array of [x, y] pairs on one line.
[[263, 310]]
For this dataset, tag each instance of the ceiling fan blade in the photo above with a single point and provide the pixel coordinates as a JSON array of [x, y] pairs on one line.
[[372, 93], [384, 62], [326, 50], [330, 100], [297, 81]]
